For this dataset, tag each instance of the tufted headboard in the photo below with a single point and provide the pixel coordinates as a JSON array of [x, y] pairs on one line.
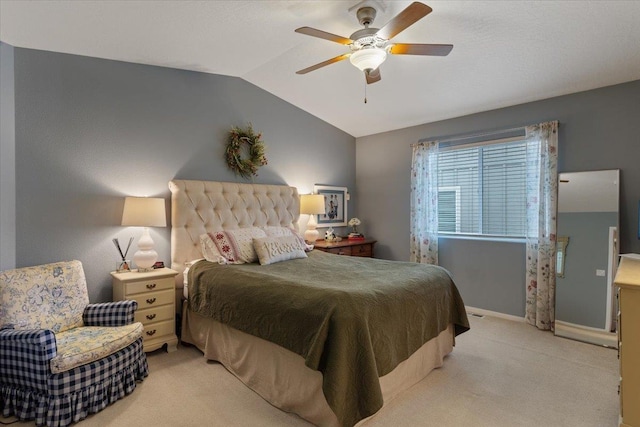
[[199, 207]]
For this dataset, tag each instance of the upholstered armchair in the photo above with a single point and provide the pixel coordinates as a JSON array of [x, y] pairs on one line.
[[62, 358]]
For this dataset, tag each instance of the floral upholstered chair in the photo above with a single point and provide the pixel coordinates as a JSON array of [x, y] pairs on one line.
[[62, 358]]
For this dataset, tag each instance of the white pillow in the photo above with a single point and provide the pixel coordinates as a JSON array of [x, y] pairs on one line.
[[210, 250], [274, 249], [236, 246], [275, 231]]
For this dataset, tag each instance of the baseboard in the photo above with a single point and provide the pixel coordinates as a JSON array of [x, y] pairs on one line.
[[483, 312], [586, 334]]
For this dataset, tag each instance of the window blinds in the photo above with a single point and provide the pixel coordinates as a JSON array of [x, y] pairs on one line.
[[482, 189]]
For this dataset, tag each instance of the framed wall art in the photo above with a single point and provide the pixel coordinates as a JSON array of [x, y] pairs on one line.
[[335, 206]]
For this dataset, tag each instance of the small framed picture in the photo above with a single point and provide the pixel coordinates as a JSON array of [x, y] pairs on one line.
[[335, 206]]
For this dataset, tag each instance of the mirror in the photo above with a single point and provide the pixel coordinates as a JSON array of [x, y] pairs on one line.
[[588, 205]]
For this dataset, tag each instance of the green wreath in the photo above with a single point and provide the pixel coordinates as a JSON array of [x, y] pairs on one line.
[[246, 168]]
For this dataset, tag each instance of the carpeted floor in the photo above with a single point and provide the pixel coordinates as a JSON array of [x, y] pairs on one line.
[[501, 373]]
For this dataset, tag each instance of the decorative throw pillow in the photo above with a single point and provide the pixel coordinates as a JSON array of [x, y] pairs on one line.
[[210, 250], [276, 231], [236, 246], [275, 249]]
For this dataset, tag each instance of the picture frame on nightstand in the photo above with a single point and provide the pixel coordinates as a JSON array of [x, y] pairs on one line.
[[335, 205]]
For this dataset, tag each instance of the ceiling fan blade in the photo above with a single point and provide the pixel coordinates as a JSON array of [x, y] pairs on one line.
[[324, 35], [421, 49], [324, 63], [414, 12], [373, 76]]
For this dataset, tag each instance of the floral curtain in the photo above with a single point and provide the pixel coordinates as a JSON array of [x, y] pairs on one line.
[[424, 203], [542, 201]]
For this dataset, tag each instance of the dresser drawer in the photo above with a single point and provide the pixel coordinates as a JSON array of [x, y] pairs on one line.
[[158, 330], [148, 285], [154, 299], [362, 250], [154, 314]]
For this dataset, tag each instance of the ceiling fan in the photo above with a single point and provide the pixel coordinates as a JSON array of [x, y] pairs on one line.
[[370, 46]]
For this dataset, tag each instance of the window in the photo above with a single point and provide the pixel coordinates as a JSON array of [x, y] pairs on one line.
[[449, 209], [481, 189]]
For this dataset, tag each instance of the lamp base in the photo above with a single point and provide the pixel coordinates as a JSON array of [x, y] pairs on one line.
[[311, 235], [145, 256], [144, 260]]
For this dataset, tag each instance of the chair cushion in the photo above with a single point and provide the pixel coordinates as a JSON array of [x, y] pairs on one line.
[[50, 296], [86, 344]]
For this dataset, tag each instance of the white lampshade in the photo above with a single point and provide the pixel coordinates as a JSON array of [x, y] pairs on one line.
[[312, 205], [144, 212], [368, 59]]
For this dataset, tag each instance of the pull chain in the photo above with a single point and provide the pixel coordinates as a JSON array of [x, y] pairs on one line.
[[365, 92]]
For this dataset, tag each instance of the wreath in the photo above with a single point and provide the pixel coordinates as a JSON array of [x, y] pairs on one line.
[[246, 168]]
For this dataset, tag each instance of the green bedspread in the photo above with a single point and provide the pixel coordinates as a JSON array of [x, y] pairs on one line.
[[353, 319]]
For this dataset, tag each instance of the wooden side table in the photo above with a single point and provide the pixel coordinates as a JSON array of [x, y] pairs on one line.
[[154, 291], [347, 247]]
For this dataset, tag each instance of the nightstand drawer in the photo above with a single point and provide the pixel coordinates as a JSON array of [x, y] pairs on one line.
[[340, 251], [353, 247], [362, 250], [149, 285], [154, 299], [158, 330], [156, 314]]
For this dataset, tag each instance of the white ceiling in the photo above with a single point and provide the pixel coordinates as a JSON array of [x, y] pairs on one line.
[[505, 52]]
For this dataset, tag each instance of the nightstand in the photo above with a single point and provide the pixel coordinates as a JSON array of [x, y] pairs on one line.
[[348, 247], [154, 291]]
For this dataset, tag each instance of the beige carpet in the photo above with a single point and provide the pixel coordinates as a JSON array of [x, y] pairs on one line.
[[501, 373]]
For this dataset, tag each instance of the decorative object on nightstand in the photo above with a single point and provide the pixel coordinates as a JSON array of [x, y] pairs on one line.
[[144, 212], [354, 235], [361, 247], [154, 292], [312, 205], [125, 264], [330, 235]]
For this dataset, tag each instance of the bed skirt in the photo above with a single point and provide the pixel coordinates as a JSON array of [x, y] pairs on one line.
[[281, 376]]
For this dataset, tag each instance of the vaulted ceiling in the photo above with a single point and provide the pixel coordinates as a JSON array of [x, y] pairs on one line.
[[505, 52]]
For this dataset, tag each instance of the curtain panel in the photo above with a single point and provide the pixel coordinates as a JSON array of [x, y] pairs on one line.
[[542, 203], [424, 203]]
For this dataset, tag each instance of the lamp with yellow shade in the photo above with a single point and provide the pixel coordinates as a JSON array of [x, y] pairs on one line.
[[144, 212], [312, 205]]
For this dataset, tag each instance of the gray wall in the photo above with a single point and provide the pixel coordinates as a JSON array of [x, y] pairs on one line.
[[599, 129], [581, 296], [90, 132], [7, 160]]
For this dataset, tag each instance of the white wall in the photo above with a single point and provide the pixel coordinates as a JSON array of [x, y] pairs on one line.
[[7, 160]]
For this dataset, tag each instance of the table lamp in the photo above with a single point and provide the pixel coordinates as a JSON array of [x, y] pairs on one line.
[[144, 212], [312, 204]]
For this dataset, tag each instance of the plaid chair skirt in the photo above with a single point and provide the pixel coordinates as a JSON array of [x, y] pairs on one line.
[[74, 394]]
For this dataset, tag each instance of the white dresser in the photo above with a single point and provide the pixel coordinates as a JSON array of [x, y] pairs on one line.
[[628, 282]]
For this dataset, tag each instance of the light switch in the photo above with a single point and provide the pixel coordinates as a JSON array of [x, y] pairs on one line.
[[600, 273]]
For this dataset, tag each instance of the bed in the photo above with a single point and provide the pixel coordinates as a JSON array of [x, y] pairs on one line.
[[306, 334]]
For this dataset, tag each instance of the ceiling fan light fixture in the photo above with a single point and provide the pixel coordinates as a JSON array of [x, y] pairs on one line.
[[368, 59]]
